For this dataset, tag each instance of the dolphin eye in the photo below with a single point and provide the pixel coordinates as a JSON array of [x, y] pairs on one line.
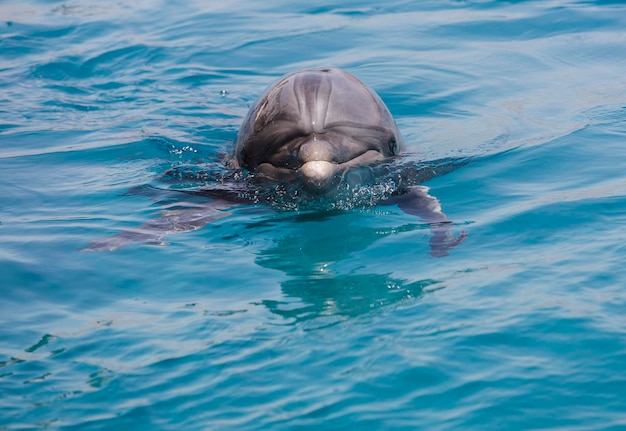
[[392, 145]]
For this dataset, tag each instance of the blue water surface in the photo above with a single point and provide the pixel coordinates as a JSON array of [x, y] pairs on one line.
[[313, 320]]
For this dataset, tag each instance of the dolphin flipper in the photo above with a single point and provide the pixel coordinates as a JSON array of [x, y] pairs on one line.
[[170, 222], [416, 201]]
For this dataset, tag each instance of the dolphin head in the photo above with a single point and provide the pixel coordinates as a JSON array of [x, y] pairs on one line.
[[310, 127]]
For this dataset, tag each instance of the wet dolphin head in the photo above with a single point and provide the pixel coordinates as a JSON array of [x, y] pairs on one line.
[[312, 126]]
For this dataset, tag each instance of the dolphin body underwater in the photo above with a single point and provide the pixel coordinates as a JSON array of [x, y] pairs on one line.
[[316, 139]]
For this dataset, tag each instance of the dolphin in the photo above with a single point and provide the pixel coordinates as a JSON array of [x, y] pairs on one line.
[[311, 130]]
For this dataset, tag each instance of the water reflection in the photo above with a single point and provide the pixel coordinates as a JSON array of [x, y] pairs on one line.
[[328, 275]]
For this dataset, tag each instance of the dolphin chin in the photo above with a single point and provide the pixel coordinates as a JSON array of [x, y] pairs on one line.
[[319, 176]]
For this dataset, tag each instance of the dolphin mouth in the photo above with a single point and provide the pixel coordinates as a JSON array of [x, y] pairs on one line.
[[318, 176]]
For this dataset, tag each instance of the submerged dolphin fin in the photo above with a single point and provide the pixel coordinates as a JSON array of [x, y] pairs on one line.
[[416, 201], [170, 222]]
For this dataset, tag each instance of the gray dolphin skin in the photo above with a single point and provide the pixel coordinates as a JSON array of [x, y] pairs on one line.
[[312, 125], [309, 129]]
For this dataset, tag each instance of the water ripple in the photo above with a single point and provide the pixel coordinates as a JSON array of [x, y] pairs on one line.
[[302, 319]]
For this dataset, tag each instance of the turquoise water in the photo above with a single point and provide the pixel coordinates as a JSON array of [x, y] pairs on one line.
[[300, 320]]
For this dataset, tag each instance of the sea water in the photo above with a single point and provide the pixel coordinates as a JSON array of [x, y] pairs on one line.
[[270, 319]]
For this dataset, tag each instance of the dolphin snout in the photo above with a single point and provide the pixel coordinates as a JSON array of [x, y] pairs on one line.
[[318, 170]]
